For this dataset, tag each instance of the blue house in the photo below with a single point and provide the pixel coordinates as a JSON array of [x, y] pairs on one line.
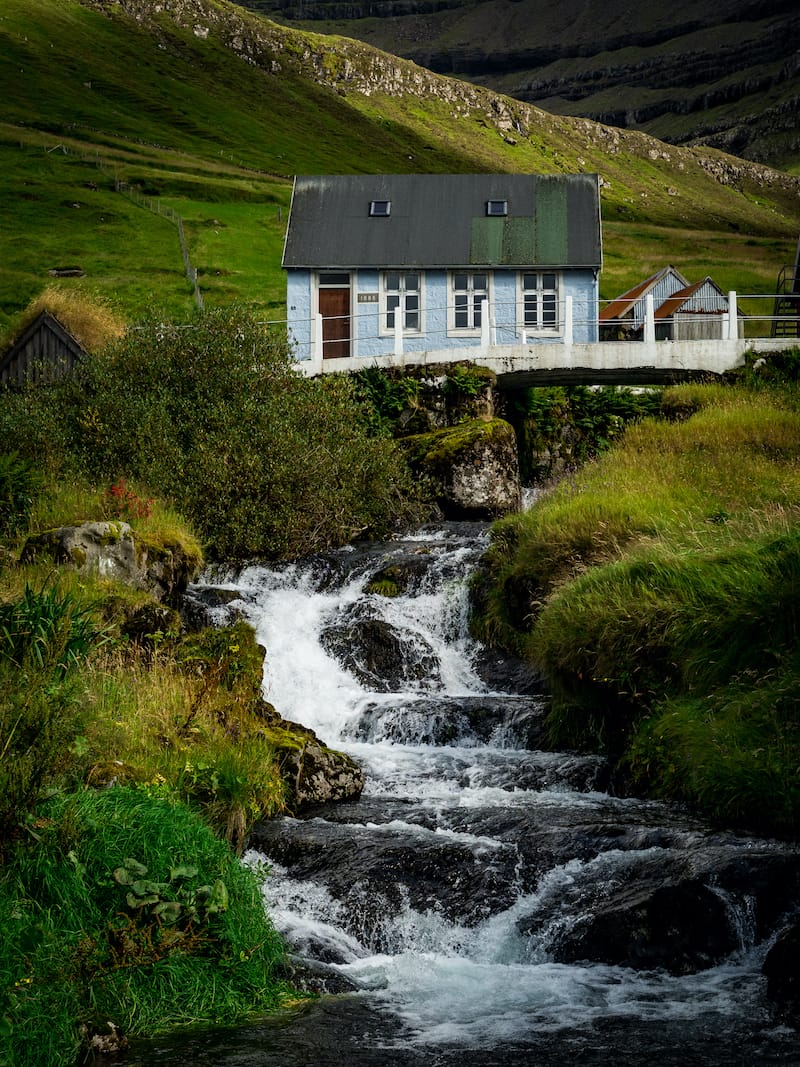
[[435, 262]]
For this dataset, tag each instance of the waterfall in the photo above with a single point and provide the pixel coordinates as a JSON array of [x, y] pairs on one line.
[[485, 901]]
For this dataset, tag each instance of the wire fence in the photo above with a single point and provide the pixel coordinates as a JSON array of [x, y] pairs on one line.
[[149, 203], [155, 205]]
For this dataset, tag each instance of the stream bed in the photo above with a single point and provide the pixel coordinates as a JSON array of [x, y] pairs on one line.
[[486, 902]]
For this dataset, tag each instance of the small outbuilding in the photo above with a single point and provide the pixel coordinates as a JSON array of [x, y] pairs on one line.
[[682, 311], [438, 257], [44, 350]]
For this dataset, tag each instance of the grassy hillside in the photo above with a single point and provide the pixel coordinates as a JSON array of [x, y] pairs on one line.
[[722, 72], [211, 110]]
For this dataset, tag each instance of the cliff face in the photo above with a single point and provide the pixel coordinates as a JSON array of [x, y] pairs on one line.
[[725, 74]]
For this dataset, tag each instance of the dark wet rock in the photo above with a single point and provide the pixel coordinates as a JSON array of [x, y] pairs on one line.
[[681, 928], [383, 658], [517, 722], [403, 575], [316, 977], [680, 913], [505, 674], [375, 871], [782, 970], [210, 605]]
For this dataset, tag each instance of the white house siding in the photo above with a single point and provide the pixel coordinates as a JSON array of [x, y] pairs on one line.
[[298, 302]]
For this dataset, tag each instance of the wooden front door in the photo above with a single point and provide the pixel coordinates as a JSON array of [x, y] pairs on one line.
[[334, 307]]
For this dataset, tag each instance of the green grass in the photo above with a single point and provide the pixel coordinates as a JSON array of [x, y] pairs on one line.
[[657, 590], [73, 954]]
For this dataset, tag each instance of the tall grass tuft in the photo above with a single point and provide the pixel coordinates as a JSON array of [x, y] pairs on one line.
[[88, 317]]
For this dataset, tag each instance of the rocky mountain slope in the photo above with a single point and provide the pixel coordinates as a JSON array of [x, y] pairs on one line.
[[725, 74]]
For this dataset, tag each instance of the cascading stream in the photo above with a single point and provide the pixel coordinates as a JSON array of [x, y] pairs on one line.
[[485, 902]]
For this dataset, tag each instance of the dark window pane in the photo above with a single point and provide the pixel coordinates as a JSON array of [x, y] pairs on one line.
[[393, 281], [479, 282], [548, 281], [412, 282], [461, 281], [530, 281], [334, 279]]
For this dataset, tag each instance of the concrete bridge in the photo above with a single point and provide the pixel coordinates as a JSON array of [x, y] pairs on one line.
[[562, 362]]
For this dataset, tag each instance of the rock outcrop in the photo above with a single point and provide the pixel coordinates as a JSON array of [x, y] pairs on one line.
[[474, 467], [112, 550]]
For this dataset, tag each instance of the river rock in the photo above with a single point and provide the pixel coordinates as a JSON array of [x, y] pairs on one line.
[[111, 549], [682, 928], [682, 916], [382, 657], [782, 970], [474, 467], [320, 775]]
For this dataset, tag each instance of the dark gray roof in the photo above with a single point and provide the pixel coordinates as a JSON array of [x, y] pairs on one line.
[[440, 220]]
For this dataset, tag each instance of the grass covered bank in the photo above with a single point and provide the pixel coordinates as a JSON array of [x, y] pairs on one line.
[[133, 759], [658, 590]]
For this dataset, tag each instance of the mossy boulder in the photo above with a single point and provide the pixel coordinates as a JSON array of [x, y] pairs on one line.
[[474, 467], [112, 550]]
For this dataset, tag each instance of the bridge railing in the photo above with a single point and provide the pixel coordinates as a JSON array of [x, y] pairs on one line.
[[746, 316]]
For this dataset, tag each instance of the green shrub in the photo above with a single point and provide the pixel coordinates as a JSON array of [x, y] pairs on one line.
[[20, 482], [215, 417], [385, 397]]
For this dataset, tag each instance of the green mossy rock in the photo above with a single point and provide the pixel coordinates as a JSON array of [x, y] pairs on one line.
[[473, 466]]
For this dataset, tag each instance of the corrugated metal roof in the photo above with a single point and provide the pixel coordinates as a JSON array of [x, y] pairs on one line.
[[715, 301], [440, 220]]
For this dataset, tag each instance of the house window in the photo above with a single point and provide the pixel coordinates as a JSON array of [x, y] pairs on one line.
[[468, 293], [496, 207], [380, 208], [401, 293], [539, 300]]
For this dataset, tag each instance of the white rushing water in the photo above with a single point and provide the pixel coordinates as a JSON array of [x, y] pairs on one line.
[[478, 977]]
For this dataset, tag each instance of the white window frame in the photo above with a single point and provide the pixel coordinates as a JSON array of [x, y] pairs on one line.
[[537, 329], [385, 293], [471, 330]]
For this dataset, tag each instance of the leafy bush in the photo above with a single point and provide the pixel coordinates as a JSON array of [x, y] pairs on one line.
[[20, 481], [385, 397], [215, 416]]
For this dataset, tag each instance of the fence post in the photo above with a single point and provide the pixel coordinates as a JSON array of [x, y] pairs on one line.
[[398, 334], [649, 320], [733, 318], [317, 346], [568, 320], [485, 337]]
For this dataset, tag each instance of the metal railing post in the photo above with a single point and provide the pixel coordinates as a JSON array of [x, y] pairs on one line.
[[733, 318]]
